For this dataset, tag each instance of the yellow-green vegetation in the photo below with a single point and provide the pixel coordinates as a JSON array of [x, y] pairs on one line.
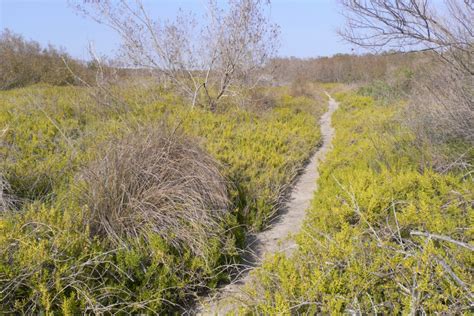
[[385, 234], [49, 259]]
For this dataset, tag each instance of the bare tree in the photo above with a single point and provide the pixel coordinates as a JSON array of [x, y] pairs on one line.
[[204, 60], [446, 28]]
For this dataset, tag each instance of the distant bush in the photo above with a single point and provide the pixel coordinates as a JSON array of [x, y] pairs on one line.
[[398, 85], [343, 68], [23, 63]]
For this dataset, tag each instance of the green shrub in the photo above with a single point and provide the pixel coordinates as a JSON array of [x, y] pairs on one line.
[[398, 85], [50, 264]]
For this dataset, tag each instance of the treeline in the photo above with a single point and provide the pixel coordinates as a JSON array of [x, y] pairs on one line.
[[23, 63], [344, 68]]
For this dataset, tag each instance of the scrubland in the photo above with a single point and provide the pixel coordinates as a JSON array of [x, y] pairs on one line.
[[131, 187], [387, 232], [136, 203], [123, 199], [127, 200]]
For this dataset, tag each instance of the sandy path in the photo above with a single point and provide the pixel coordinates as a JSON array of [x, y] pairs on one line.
[[278, 237]]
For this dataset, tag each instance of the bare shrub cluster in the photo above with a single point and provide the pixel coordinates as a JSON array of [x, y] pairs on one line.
[[441, 108], [343, 68], [25, 62], [155, 182], [444, 28], [203, 61]]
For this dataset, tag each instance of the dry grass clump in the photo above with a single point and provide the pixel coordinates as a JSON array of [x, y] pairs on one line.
[[6, 200], [156, 182]]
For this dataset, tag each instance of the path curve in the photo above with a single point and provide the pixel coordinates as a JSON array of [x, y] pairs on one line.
[[278, 237]]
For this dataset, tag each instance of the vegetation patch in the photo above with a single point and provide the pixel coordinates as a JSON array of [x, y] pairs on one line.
[[24, 63], [383, 235], [117, 215]]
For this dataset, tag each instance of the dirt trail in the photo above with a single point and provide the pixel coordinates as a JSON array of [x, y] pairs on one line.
[[278, 237]]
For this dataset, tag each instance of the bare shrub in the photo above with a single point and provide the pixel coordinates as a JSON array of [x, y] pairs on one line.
[[6, 200], [300, 87], [444, 28], [155, 182], [259, 99], [201, 60], [442, 107], [441, 112], [25, 62]]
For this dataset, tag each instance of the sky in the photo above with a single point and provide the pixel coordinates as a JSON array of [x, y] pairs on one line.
[[308, 27]]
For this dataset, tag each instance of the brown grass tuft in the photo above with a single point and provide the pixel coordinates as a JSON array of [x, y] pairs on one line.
[[155, 182]]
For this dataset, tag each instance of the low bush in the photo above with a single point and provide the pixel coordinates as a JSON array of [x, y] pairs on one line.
[[382, 235], [49, 264]]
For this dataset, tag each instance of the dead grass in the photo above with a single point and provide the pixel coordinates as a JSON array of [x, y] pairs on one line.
[[6, 200], [155, 182]]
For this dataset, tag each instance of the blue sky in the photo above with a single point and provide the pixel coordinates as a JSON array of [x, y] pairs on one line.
[[308, 27]]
